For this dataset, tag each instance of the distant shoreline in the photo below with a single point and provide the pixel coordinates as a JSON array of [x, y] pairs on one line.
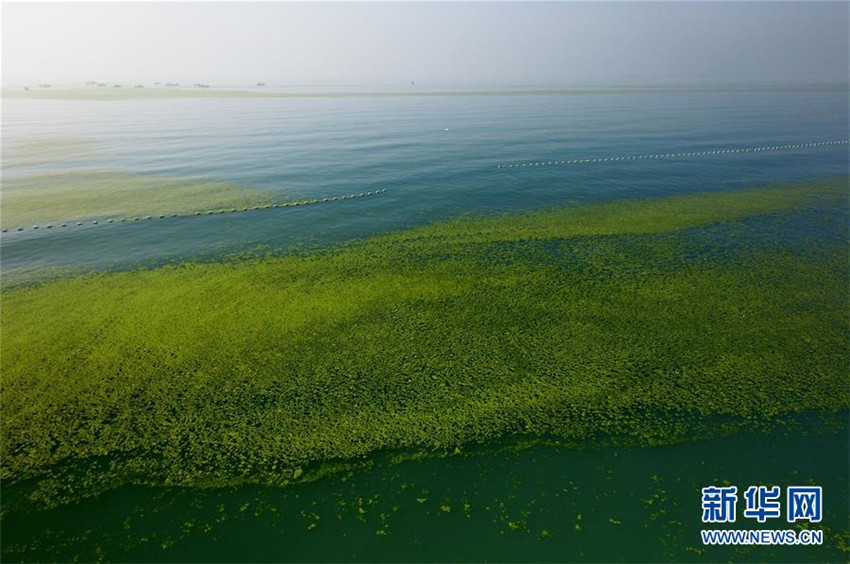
[[130, 93]]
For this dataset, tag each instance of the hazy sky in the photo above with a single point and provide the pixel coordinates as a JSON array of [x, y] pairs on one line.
[[435, 44]]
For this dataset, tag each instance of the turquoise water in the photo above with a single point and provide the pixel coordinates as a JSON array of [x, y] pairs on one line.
[[438, 157], [316, 147]]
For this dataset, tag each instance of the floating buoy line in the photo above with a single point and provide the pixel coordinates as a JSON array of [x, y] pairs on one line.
[[151, 217], [572, 162], [676, 155]]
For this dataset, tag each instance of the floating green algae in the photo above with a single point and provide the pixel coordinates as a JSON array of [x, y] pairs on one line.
[[553, 489], [41, 151], [573, 323], [82, 194], [641, 216]]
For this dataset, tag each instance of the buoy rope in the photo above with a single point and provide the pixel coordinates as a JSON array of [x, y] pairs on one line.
[[710, 153], [573, 162], [131, 219]]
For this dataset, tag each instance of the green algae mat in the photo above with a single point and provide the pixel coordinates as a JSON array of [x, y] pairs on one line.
[[644, 321], [71, 195]]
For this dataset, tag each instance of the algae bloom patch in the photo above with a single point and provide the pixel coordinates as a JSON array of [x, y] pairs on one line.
[[648, 320], [105, 193]]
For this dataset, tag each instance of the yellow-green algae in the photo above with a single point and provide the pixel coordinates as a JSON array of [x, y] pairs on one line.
[[82, 194], [639, 216], [35, 151], [570, 323]]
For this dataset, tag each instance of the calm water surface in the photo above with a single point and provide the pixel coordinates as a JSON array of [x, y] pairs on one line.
[[438, 157], [543, 504]]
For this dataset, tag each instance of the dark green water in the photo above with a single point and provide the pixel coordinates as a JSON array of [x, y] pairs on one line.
[[543, 503]]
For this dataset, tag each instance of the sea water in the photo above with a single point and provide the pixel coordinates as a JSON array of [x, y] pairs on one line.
[[437, 156], [538, 504]]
